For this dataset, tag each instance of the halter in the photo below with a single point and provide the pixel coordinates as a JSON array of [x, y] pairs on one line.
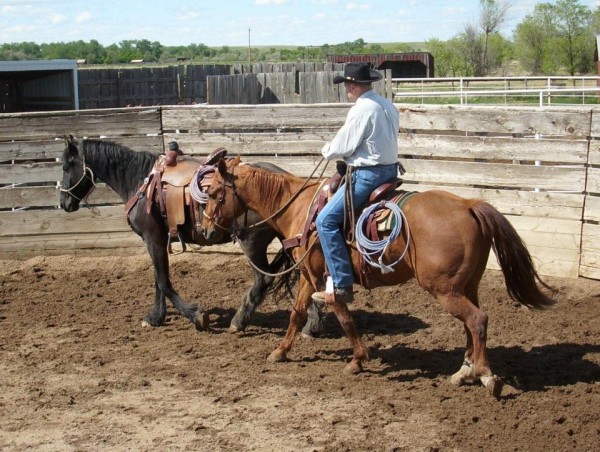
[[85, 175]]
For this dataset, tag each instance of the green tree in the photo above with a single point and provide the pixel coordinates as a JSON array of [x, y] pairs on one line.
[[557, 35], [534, 38], [492, 16]]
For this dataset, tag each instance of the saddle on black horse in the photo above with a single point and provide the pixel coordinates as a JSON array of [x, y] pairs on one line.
[[171, 185]]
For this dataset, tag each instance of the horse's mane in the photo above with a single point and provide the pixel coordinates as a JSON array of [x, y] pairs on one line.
[[119, 166]]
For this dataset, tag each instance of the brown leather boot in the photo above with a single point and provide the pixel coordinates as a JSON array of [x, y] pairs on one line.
[[341, 294]]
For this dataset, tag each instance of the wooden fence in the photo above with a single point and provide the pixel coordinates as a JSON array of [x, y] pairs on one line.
[[284, 88], [148, 85], [540, 167], [259, 83]]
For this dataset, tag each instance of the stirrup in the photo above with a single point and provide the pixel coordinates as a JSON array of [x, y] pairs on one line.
[[169, 241]]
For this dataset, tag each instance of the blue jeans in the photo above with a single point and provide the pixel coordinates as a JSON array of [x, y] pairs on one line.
[[330, 220]]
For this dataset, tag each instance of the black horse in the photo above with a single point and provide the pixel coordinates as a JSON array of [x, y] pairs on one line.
[[124, 171]]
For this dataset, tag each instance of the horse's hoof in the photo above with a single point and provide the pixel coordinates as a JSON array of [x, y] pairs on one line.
[[464, 375], [202, 321], [145, 324], [234, 329], [353, 368], [276, 357], [307, 336], [493, 384]]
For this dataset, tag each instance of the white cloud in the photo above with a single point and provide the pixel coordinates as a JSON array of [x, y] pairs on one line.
[[320, 16], [85, 16], [270, 2], [16, 9], [355, 6], [57, 19]]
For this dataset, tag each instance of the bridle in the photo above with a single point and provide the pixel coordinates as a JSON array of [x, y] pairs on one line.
[[87, 174], [217, 215], [221, 201], [236, 231]]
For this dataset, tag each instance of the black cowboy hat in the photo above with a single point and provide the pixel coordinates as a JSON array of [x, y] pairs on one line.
[[358, 73]]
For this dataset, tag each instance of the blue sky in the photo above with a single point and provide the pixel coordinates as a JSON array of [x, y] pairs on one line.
[[226, 22]]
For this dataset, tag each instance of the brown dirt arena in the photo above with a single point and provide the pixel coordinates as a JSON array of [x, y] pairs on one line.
[[79, 372]]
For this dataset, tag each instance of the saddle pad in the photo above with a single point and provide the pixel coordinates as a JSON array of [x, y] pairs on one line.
[[385, 221]]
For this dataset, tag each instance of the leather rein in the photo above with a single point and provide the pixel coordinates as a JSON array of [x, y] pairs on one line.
[[236, 232]]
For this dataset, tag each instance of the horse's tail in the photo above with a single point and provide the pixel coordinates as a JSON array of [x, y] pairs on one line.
[[519, 272], [283, 285]]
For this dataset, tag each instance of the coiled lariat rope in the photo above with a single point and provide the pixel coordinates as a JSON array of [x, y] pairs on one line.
[[369, 248]]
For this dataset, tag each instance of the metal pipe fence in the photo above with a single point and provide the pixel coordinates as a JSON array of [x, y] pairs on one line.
[[563, 90]]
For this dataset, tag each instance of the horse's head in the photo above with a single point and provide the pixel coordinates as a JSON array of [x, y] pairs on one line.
[[222, 206], [78, 180]]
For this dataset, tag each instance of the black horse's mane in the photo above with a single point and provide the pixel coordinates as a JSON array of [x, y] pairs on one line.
[[119, 166]]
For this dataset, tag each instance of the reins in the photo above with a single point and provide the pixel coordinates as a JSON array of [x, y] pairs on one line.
[[281, 209], [236, 231]]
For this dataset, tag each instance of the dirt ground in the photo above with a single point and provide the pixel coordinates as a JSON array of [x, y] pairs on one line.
[[79, 372]]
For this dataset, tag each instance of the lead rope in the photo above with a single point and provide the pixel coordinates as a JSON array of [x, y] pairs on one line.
[[349, 219]]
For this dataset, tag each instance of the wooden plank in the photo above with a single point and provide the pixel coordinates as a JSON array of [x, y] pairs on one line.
[[593, 181], [594, 154], [573, 122], [49, 196], [553, 244], [103, 244], [82, 123], [18, 197], [35, 222], [252, 143], [568, 206], [592, 208], [239, 117], [31, 150], [595, 123], [493, 148], [30, 173], [564, 178], [590, 251]]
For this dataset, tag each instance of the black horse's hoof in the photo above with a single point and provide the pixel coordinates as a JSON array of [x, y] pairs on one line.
[[201, 321]]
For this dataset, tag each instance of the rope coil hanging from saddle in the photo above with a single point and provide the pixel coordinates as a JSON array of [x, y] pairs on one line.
[[369, 248], [366, 247]]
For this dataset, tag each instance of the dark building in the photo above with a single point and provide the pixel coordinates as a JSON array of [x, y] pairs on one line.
[[402, 65], [43, 85]]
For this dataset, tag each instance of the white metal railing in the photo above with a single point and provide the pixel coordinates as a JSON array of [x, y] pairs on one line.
[[584, 89]]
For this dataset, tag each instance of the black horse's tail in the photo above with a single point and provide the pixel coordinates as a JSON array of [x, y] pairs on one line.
[[519, 272], [283, 285]]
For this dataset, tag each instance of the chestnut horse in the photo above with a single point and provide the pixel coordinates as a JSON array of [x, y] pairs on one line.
[[449, 245]]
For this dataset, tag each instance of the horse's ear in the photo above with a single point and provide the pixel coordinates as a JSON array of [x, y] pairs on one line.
[[222, 167], [235, 161], [71, 141]]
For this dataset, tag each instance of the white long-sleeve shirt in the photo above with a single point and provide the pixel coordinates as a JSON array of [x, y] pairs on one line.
[[370, 134]]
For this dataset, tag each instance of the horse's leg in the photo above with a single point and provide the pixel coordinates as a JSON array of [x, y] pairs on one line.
[[476, 364], [314, 325], [156, 316], [255, 247], [360, 351], [297, 318], [160, 258]]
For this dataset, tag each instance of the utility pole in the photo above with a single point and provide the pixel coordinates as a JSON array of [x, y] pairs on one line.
[[249, 50]]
